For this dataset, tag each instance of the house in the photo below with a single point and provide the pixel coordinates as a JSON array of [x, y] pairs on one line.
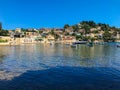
[[117, 36], [81, 31], [77, 33], [31, 36], [28, 40], [11, 33], [98, 28], [58, 31], [93, 29], [47, 30], [69, 29], [18, 30], [17, 34], [32, 33], [68, 39], [49, 39]]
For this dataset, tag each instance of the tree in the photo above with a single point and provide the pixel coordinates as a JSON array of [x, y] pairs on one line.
[[114, 33], [3, 41], [86, 27], [104, 27], [92, 39], [3, 32], [66, 26], [106, 36], [73, 34], [78, 37], [52, 32], [75, 28], [95, 31], [40, 31], [67, 34], [56, 36], [92, 24]]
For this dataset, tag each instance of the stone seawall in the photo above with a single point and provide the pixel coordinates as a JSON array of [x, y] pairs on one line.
[[4, 43]]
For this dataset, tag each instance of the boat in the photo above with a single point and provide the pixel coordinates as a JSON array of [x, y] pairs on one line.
[[67, 44], [81, 42], [73, 45], [118, 45], [102, 43], [90, 44], [52, 43]]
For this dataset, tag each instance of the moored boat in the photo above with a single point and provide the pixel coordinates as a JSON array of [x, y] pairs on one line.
[[73, 45], [118, 45], [90, 44], [81, 42]]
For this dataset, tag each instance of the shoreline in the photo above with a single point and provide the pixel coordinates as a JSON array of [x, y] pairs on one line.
[[59, 42]]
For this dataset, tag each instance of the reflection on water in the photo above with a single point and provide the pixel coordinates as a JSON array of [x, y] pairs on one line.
[[16, 60], [1, 58]]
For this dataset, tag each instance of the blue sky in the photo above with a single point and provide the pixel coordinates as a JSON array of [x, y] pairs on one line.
[[56, 13]]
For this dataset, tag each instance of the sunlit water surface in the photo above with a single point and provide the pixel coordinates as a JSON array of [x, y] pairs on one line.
[[59, 67]]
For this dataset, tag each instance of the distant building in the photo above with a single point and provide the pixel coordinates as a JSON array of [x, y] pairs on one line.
[[58, 31], [93, 29], [68, 39], [32, 33], [50, 38], [0, 26], [18, 33], [118, 36], [69, 29], [18, 30], [11, 33]]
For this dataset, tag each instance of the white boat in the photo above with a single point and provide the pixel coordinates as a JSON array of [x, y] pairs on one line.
[[52, 43], [67, 44], [81, 42], [118, 45], [73, 45]]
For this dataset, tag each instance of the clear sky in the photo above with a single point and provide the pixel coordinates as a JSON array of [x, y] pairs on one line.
[[56, 13]]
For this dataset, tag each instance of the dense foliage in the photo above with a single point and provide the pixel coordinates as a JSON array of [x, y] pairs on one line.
[[3, 41], [3, 32], [85, 27]]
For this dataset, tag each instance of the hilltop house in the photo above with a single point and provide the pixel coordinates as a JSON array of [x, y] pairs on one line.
[[69, 30], [68, 39], [46, 30], [58, 31]]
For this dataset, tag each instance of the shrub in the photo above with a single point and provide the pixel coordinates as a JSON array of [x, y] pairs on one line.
[[3, 41]]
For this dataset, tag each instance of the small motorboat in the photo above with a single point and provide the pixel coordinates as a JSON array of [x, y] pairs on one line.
[[118, 45], [73, 45], [90, 44], [80, 42], [52, 43], [67, 44]]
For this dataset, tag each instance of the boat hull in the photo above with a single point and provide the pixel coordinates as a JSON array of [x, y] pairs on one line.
[[81, 42]]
